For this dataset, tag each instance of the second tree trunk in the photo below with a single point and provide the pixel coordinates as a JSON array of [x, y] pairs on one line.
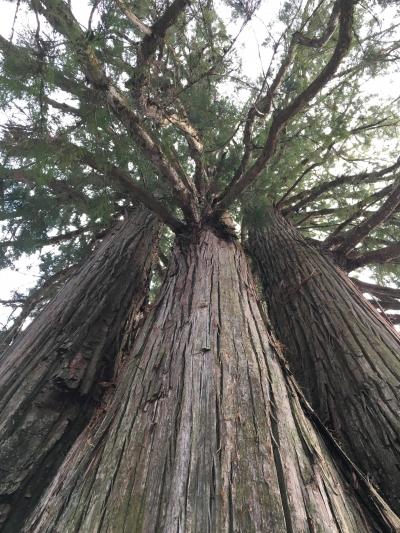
[[345, 357]]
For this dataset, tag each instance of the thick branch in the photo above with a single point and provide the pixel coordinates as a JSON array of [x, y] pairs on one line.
[[358, 210], [377, 290], [192, 136], [263, 105], [133, 19], [158, 30], [141, 80], [283, 116], [345, 243], [120, 178], [388, 254], [62, 106], [136, 192]]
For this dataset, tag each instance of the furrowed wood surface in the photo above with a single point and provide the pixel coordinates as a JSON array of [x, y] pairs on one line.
[[206, 432], [48, 376], [345, 357]]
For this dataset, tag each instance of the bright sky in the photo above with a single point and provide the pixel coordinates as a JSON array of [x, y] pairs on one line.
[[255, 60]]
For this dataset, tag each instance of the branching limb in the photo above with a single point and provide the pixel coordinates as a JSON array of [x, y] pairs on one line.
[[124, 180], [262, 106], [359, 210], [133, 19], [60, 17], [306, 197], [341, 245], [56, 239], [283, 116], [120, 178], [140, 82], [377, 290], [192, 136], [388, 254]]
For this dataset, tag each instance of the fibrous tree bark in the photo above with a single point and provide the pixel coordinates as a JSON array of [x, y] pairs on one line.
[[345, 357], [49, 377], [207, 430]]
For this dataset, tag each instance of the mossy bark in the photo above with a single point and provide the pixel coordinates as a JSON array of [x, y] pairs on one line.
[[345, 357], [207, 431], [49, 376]]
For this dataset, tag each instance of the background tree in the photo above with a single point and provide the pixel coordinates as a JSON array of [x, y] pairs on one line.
[[132, 107]]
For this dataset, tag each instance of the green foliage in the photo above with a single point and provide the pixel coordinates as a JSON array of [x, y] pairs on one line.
[[53, 113]]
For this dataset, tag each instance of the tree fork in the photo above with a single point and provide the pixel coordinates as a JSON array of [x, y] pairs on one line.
[[344, 355], [207, 431], [49, 378]]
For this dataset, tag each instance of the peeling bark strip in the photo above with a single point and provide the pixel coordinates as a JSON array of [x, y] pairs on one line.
[[345, 357], [47, 375], [206, 432]]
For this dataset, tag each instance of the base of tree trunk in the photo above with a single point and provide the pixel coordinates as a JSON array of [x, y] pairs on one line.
[[206, 432]]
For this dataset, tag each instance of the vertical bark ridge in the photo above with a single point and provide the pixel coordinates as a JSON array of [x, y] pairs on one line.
[[48, 377], [206, 431], [343, 354]]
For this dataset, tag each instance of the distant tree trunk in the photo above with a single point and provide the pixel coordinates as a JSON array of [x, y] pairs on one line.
[[206, 432], [50, 375], [345, 357]]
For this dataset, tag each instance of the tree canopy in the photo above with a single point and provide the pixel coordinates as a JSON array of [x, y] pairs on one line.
[[148, 101]]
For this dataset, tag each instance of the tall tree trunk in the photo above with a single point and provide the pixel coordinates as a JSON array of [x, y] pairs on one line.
[[345, 357], [206, 432], [49, 376]]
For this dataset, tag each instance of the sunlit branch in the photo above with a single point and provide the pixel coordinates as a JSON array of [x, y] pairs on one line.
[[133, 19]]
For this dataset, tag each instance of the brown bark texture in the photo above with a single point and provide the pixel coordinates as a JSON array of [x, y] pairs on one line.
[[345, 357], [207, 431], [49, 377]]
